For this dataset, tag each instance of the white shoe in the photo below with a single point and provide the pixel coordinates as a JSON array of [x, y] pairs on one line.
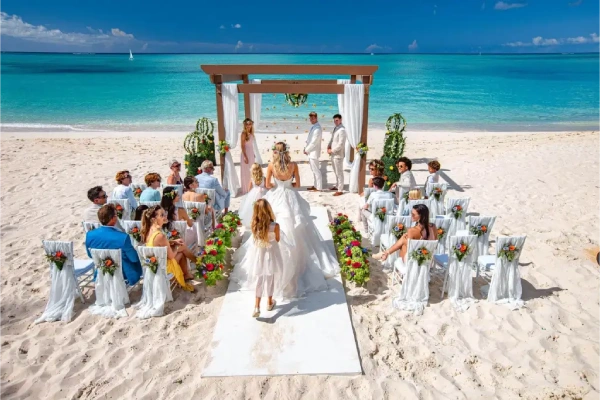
[[256, 313]]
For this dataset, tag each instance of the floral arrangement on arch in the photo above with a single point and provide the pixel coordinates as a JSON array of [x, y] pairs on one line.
[[58, 258], [296, 99], [223, 147], [421, 255], [362, 149], [353, 258]]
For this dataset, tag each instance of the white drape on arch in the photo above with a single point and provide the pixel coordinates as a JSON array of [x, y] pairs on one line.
[[232, 134], [255, 108], [347, 163], [353, 116]]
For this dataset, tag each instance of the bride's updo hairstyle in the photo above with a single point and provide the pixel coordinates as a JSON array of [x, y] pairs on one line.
[[147, 217], [281, 158], [261, 220]]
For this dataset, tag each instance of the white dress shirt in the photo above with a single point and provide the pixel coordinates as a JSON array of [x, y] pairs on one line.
[[123, 192]]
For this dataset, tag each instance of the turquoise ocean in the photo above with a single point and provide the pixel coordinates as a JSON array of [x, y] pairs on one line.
[[170, 92]]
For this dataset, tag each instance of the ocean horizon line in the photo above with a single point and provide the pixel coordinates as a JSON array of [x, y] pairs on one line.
[[475, 53]]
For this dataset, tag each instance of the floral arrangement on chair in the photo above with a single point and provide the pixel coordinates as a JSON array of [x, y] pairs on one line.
[[173, 234], [398, 230], [58, 258], [509, 252], [207, 199], [461, 250], [354, 263], [119, 209], [152, 263], [223, 147], [479, 230], [362, 149], [194, 213], [137, 192], [437, 193], [441, 233], [381, 212], [421, 255], [457, 211], [135, 233], [108, 266]]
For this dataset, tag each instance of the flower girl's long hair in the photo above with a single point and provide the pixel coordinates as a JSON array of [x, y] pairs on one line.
[[257, 174], [261, 220], [281, 158]]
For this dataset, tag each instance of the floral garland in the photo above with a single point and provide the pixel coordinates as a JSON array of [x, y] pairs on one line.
[[211, 260], [58, 258], [362, 149], [354, 263], [296, 99], [421, 255], [223, 147]]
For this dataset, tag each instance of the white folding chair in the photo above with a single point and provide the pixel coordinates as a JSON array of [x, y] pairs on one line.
[[179, 189], [212, 196], [437, 203], [157, 289], [362, 200], [139, 187], [201, 229], [129, 226], [505, 286], [90, 226], [65, 283], [458, 272], [374, 223], [412, 203], [443, 224], [457, 223], [414, 291], [478, 223], [388, 239], [126, 208], [111, 290]]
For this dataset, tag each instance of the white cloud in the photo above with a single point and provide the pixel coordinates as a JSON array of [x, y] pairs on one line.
[[540, 41], [595, 38], [222, 27], [14, 26], [239, 45], [577, 40], [413, 45], [507, 6], [576, 3], [236, 26], [372, 48], [145, 46]]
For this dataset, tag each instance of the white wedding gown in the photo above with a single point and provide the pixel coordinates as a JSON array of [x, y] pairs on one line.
[[307, 259]]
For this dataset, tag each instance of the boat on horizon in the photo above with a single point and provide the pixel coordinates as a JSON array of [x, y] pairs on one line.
[[130, 55]]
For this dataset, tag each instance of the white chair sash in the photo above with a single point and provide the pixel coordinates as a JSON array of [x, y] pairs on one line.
[[199, 221], [414, 293], [128, 226], [460, 282], [505, 287], [427, 203], [111, 291], [150, 203], [376, 224], [63, 285], [90, 226], [211, 193], [388, 239], [126, 216], [483, 241], [155, 292], [181, 227], [460, 223], [437, 204]]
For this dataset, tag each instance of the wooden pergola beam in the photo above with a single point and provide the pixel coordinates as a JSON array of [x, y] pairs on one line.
[[292, 88], [216, 79], [265, 69], [298, 81]]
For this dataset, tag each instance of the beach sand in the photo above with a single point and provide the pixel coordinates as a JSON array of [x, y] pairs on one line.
[[543, 185]]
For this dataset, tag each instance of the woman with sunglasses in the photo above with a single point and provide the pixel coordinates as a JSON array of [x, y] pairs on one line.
[[247, 140], [174, 178]]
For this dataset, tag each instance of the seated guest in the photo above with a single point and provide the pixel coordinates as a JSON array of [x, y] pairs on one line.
[[123, 190], [108, 238], [378, 194], [98, 198], [423, 230], [190, 184], [174, 178], [151, 193], [413, 194], [434, 174], [376, 168], [139, 212], [407, 180], [206, 180], [169, 199]]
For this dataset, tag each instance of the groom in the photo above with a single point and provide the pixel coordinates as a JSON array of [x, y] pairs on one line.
[[313, 151], [335, 149]]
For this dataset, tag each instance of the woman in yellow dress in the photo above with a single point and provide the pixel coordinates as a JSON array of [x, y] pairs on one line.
[[152, 221]]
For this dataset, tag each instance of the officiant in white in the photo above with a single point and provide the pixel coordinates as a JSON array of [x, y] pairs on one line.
[[313, 151], [335, 149]]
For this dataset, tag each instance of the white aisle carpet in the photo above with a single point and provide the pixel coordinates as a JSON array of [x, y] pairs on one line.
[[312, 335]]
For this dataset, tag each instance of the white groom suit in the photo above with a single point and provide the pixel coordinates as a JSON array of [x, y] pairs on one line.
[[313, 150], [337, 144]]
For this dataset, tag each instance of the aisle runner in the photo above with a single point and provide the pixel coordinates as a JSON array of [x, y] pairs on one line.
[[310, 336]]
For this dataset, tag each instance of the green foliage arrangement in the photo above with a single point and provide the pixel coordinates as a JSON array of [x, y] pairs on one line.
[[353, 258], [200, 146], [296, 99], [393, 147]]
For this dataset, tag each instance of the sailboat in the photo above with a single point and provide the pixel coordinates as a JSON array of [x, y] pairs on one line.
[[130, 55]]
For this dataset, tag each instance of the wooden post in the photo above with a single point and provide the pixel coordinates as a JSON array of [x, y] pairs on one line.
[[220, 127], [363, 138], [246, 98]]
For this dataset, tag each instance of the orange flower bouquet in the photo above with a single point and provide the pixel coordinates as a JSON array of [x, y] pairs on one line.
[[137, 192], [58, 258], [461, 250], [194, 213], [173, 234], [509, 252], [479, 230], [421, 255], [119, 209], [457, 211], [381, 213], [135, 234], [151, 263], [108, 266], [398, 230]]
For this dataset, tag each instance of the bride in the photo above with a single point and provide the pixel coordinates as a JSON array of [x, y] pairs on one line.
[[307, 259]]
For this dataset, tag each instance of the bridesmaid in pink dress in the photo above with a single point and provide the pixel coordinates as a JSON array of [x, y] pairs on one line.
[[247, 160]]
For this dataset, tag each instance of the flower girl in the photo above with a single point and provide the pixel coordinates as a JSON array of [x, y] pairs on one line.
[[264, 253], [257, 191]]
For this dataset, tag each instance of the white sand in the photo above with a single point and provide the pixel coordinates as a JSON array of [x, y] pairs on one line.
[[544, 185]]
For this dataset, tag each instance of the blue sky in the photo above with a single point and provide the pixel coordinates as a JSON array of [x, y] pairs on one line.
[[332, 26]]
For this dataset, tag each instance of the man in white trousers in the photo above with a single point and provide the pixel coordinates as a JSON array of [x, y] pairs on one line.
[[336, 150], [313, 151]]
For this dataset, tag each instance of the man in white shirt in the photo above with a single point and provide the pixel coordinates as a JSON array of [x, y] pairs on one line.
[[123, 190], [336, 149], [407, 180], [313, 151], [378, 194], [98, 198]]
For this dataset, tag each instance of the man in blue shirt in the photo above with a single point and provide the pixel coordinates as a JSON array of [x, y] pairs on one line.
[[108, 238], [207, 181]]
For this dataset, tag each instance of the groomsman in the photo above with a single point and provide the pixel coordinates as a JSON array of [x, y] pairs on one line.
[[313, 151], [335, 149]]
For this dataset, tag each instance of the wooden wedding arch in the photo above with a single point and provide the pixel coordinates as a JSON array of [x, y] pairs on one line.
[[220, 74]]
